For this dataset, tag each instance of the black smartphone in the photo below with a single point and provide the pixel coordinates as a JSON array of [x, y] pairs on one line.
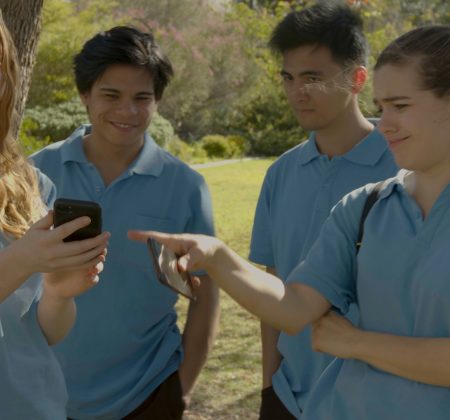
[[165, 264], [67, 209]]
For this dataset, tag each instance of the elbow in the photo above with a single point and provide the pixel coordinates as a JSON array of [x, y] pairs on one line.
[[292, 328], [291, 331]]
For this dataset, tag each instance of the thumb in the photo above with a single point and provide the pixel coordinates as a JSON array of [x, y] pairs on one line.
[[192, 261], [184, 263], [45, 223]]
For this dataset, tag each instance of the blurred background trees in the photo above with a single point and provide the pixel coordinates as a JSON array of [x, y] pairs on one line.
[[227, 82]]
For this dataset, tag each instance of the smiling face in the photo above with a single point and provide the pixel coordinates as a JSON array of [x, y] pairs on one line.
[[415, 122], [316, 86], [120, 105]]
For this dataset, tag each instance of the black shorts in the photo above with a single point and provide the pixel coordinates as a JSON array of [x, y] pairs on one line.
[[272, 408], [164, 403]]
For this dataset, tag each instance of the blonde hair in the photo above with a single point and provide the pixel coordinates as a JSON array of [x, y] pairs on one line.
[[20, 202]]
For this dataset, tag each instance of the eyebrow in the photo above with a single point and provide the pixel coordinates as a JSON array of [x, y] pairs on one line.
[[392, 99], [303, 73], [112, 90]]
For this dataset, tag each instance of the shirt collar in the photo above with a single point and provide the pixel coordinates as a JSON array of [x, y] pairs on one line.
[[397, 182], [309, 152], [72, 149], [367, 152], [150, 160]]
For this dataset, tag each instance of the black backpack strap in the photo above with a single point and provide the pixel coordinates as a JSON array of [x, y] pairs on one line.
[[370, 201]]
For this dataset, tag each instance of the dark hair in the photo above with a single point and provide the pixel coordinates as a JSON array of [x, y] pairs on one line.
[[121, 45], [331, 24], [428, 49]]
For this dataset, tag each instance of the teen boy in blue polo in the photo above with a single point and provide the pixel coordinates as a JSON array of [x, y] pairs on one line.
[[125, 357], [324, 54]]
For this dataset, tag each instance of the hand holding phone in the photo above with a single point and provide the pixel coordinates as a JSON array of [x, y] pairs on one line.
[[66, 209], [165, 264]]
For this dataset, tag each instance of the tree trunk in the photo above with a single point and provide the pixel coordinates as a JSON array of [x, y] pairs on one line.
[[23, 19]]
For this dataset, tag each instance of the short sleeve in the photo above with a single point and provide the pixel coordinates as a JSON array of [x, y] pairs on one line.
[[46, 188], [330, 265], [261, 243], [201, 220]]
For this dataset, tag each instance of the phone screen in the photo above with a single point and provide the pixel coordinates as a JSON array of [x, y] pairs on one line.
[[165, 264]]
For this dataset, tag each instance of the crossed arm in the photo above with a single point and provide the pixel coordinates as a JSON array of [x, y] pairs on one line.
[[424, 360]]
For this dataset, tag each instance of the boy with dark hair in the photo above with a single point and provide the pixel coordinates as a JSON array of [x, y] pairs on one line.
[[125, 357], [324, 53]]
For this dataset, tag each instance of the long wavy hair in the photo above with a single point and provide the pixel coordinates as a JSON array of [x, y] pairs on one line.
[[20, 202]]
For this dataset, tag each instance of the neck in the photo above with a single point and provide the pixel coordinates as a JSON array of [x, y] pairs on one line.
[[110, 160], [426, 186], [347, 131]]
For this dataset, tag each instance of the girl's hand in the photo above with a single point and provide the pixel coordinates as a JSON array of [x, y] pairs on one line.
[[196, 252], [335, 335], [42, 249], [68, 284]]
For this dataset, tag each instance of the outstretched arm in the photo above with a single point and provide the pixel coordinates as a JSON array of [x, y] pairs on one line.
[[286, 307]]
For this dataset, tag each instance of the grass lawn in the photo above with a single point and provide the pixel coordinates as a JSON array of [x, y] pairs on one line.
[[229, 385]]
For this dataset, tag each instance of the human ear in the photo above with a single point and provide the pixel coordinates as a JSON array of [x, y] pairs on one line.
[[359, 78]]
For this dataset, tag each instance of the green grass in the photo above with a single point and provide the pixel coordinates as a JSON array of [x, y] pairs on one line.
[[229, 385]]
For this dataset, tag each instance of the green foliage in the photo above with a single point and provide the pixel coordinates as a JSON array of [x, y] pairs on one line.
[[274, 143], [66, 26], [53, 123], [226, 79], [239, 145], [30, 143], [180, 149], [216, 146], [161, 130], [263, 114], [211, 68]]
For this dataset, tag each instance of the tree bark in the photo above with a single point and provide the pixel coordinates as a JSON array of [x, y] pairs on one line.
[[23, 19]]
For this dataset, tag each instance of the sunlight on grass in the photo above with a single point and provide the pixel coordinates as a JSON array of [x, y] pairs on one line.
[[229, 385]]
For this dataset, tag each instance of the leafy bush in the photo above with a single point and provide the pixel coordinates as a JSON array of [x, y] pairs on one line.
[[239, 145], [30, 144], [180, 149], [53, 123], [274, 142], [216, 146], [161, 130]]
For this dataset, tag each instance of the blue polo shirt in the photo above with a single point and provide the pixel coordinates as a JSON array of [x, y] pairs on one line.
[[125, 341], [298, 192], [400, 282], [32, 384]]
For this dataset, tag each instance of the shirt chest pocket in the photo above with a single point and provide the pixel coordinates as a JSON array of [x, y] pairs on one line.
[[135, 253]]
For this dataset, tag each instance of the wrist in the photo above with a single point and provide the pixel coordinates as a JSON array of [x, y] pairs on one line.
[[216, 254], [17, 258], [358, 340], [52, 294]]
